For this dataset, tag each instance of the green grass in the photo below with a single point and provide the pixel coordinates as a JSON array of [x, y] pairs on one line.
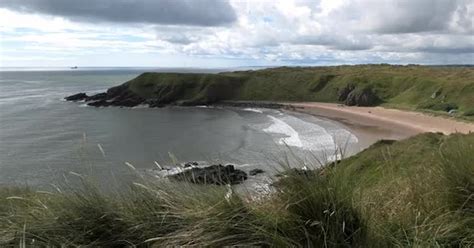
[[408, 87], [417, 192]]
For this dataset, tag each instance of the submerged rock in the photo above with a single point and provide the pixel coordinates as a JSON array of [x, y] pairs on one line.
[[76, 97], [214, 174], [256, 171]]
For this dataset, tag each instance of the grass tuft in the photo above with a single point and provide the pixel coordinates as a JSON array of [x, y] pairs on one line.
[[417, 192]]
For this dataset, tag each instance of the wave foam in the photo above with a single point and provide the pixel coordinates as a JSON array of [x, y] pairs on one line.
[[308, 135], [280, 127], [253, 110]]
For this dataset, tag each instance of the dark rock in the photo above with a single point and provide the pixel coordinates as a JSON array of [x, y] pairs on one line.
[[214, 174], [344, 92], [153, 103], [119, 96], [117, 91], [76, 97], [365, 97], [353, 96], [100, 103], [127, 102], [190, 164], [256, 171], [96, 97], [123, 97]]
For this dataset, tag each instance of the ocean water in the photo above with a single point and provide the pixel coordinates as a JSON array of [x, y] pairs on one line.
[[43, 138]]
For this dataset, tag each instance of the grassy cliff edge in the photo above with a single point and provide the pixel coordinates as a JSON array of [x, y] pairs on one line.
[[417, 192], [410, 87]]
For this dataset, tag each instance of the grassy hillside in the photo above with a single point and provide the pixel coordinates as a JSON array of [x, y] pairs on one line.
[[413, 87], [413, 193]]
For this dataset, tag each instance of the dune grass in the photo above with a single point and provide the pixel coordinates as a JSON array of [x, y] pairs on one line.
[[413, 193]]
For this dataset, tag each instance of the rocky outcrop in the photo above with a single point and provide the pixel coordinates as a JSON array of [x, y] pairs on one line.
[[213, 174], [256, 172], [120, 96], [344, 92], [76, 97], [152, 103], [364, 97], [353, 96], [97, 97], [99, 103]]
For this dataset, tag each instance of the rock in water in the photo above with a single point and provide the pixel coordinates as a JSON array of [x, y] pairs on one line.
[[214, 174], [256, 171], [99, 103], [76, 97], [120, 96], [96, 97]]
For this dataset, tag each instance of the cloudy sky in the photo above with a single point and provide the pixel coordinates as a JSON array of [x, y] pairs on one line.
[[221, 33]]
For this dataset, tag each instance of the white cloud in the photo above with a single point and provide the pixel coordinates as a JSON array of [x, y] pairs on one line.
[[285, 31]]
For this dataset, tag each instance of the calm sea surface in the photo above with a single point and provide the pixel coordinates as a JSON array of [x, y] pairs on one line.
[[43, 138]]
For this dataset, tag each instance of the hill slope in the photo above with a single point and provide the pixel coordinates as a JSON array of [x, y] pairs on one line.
[[412, 87]]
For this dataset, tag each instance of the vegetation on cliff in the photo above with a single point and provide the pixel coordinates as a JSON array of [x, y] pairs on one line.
[[417, 192], [413, 87]]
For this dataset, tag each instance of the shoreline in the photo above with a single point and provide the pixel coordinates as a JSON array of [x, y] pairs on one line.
[[371, 124]]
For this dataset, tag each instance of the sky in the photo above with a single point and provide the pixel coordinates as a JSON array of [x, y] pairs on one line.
[[230, 33]]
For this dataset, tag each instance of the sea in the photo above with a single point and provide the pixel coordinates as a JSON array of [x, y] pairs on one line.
[[45, 140]]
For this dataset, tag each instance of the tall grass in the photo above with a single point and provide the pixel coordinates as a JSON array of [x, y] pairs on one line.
[[413, 193]]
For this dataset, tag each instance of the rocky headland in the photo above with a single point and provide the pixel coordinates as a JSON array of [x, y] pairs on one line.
[[438, 89]]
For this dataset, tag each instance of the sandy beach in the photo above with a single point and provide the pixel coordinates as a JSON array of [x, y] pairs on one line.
[[373, 123]]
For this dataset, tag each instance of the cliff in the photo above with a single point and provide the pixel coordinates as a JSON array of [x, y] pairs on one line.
[[441, 89]]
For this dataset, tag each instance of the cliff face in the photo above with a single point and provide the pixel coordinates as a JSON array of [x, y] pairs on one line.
[[402, 86], [186, 89]]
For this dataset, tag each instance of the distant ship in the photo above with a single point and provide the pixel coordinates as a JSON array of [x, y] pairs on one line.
[[74, 67]]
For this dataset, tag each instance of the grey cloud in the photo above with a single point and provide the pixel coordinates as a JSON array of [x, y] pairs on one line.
[[450, 50], [179, 39], [430, 49], [170, 12]]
